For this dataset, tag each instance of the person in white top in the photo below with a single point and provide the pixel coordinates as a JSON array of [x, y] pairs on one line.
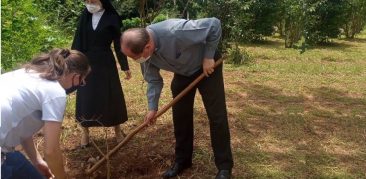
[[31, 98]]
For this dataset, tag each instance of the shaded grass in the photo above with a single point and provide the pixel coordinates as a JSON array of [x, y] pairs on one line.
[[291, 115]]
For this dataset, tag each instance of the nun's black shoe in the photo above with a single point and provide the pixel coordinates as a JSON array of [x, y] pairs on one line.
[[223, 174], [176, 169]]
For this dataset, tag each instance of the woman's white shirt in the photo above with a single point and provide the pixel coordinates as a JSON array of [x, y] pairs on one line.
[[27, 100]]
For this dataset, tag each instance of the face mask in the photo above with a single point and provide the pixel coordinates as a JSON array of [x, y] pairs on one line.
[[74, 87], [93, 8], [142, 59], [71, 89]]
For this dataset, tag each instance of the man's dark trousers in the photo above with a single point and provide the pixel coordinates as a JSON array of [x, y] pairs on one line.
[[213, 95]]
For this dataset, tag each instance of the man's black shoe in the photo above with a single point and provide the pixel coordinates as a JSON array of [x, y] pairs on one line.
[[223, 174], [175, 170]]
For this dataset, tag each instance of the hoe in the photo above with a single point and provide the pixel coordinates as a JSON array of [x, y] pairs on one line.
[[143, 125]]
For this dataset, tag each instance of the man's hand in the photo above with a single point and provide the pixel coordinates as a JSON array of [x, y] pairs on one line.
[[42, 167], [150, 117], [208, 66], [128, 74]]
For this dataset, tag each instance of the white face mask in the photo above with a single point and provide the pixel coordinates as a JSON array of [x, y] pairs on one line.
[[142, 59], [93, 8]]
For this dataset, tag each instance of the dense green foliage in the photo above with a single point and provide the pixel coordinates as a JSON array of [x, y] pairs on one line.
[[31, 26], [355, 15], [62, 13], [238, 56], [323, 20]]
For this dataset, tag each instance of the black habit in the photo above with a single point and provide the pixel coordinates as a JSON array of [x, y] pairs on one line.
[[101, 101]]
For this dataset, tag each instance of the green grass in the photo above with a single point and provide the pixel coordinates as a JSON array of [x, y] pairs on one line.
[[302, 115], [291, 115]]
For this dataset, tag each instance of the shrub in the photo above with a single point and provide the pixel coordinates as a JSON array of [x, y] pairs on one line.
[[131, 23], [25, 33], [237, 56], [159, 18]]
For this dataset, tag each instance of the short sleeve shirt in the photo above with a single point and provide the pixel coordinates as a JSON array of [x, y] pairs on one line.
[[27, 101]]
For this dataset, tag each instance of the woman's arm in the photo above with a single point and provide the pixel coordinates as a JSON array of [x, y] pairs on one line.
[[35, 157], [52, 152]]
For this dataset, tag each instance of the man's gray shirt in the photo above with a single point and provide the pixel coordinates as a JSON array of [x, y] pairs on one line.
[[180, 47]]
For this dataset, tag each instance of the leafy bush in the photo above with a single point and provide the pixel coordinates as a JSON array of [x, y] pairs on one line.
[[159, 18], [127, 8], [291, 24], [131, 23], [323, 20], [264, 16], [355, 14], [245, 20], [237, 56], [25, 33], [62, 14]]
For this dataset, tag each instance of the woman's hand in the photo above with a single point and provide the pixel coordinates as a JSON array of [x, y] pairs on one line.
[[128, 74], [52, 151], [42, 167], [36, 158]]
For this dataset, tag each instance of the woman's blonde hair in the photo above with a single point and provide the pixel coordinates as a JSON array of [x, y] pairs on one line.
[[59, 62]]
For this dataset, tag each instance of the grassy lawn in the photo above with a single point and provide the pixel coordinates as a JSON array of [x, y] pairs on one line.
[[291, 115], [300, 116]]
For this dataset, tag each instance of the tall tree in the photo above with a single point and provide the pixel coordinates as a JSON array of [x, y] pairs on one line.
[[291, 24], [355, 15], [323, 20]]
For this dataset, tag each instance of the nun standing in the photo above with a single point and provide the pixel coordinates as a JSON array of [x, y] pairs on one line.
[[101, 102]]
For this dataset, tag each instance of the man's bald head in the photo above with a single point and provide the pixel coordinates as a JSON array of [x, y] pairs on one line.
[[135, 39]]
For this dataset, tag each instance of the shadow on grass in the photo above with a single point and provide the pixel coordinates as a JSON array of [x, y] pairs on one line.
[[358, 40], [338, 98], [277, 135], [297, 164], [335, 45], [276, 44]]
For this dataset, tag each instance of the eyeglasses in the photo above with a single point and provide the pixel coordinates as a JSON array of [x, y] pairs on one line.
[[82, 81]]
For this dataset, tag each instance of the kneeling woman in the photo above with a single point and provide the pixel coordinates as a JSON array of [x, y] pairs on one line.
[[31, 98]]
